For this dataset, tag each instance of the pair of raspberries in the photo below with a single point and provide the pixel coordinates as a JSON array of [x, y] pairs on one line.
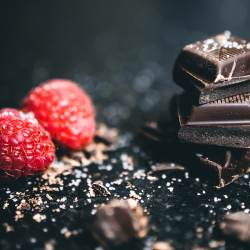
[[58, 110]]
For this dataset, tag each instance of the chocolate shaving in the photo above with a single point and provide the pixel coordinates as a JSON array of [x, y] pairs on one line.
[[98, 186], [23, 205], [8, 228], [165, 168]]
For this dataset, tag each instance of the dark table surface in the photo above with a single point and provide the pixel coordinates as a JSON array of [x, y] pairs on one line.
[[122, 54]]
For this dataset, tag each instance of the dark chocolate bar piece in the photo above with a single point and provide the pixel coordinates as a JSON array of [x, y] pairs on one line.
[[219, 166], [214, 68], [118, 222], [223, 123], [236, 225]]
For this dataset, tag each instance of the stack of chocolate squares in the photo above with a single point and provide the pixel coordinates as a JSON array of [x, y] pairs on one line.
[[214, 112]]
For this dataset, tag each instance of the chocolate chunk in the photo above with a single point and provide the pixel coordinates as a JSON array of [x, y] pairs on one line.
[[214, 68], [219, 166], [236, 225], [222, 124], [118, 222], [98, 186]]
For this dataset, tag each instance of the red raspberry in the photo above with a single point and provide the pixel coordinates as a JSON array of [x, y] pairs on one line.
[[64, 110], [25, 147]]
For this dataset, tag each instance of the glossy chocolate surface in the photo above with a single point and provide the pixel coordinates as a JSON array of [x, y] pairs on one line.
[[219, 165], [217, 59], [222, 123], [229, 111]]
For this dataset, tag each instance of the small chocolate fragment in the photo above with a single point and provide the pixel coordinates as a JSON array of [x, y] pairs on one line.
[[236, 225], [165, 168], [118, 222], [98, 185], [162, 245], [219, 166], [221, 124], [214, 68]]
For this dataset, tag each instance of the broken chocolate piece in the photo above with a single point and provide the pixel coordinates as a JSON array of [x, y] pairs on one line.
[[219, 166], [221, 124], [98, 185], [214, 68], [236, 225], [118, 222], [165, 168]]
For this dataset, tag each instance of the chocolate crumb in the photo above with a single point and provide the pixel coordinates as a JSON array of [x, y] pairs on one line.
[[23, 205], [134, 195], [91, 192], [98, 185], [71, 161], [6, 204], [37, 217], [162, 245], [129, 185], [35, 201], [117, 182], [50, 245], [152, 178], [49, 197], [8, 228], [18, 215], [106, 135], [47, 188]]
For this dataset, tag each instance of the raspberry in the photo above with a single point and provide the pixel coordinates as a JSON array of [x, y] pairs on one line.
[[64, 110], [25, 147]]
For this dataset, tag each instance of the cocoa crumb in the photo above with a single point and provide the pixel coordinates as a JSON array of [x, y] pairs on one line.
[[98, 185], [35, 201], [134, 195], [129, 185], [8, 228], [91, 192], [47, 188], [105, 134], [6, 204], [23, 205], [162, 245], [117, 182], [18, 215], [49, 197]]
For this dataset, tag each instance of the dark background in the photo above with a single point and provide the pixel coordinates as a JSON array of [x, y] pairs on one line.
[[121, 52]]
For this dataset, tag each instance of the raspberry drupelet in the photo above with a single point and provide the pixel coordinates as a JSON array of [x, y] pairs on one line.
[[25, 147], [65, 111]]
